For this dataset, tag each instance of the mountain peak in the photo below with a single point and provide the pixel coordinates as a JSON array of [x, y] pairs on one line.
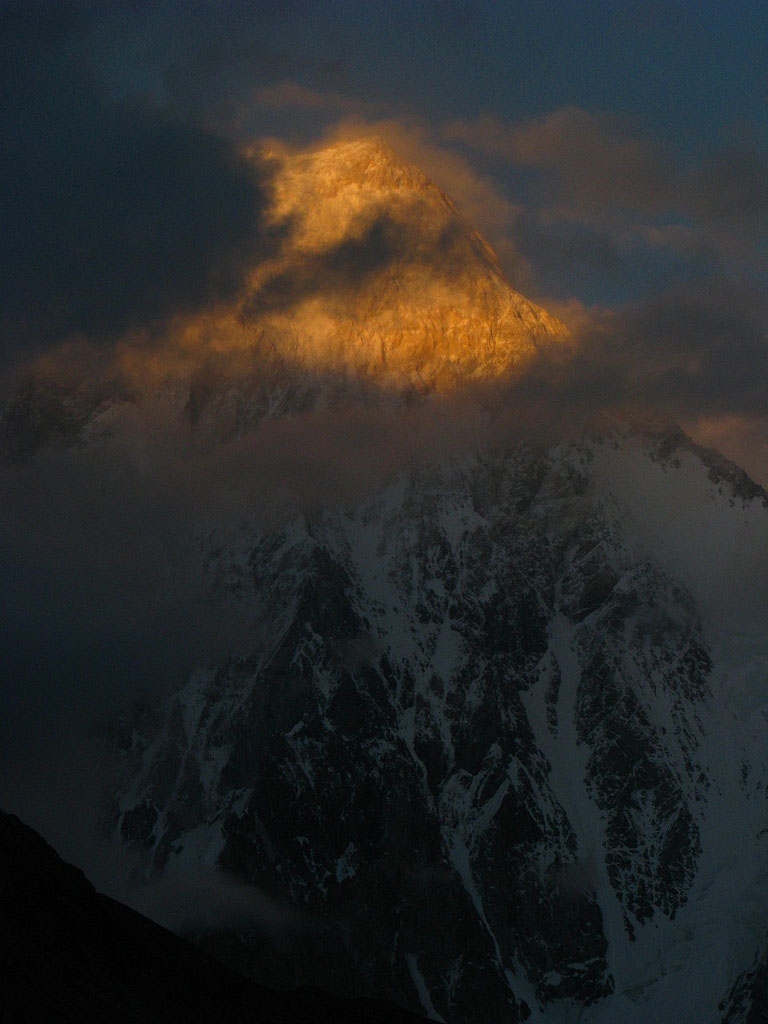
[[380, 275], [367, 162], [375, 284]]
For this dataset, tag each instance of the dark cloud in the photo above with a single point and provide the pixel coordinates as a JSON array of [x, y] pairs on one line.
[[100, 596], [215, 63], [371, 247], [697, 350], [701, 347], [731, 189], [611, 213], [589, 258], [336, 270], [114, 216], [207, 62], [592, 159], [598, 163]]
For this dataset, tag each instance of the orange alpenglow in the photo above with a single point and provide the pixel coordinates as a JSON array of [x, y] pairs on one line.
[[377, 277], [381, 276]]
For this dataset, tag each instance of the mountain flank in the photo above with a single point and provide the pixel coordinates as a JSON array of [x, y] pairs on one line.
[[69, 953]]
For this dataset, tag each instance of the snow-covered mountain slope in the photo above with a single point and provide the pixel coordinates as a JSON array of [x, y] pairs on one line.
[[501, 738]]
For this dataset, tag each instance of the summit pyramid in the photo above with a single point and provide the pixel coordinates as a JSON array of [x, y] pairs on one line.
[[381, 275], [373, 287]]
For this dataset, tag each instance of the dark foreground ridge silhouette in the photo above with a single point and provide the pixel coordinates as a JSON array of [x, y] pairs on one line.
[[69, 953]]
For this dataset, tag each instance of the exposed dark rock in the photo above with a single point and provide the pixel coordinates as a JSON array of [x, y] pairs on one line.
[[70, 954]]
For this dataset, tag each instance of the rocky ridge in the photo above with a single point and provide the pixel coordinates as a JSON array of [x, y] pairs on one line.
[[484, 749]]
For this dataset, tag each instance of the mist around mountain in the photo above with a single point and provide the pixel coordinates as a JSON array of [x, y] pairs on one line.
[[417, 668]]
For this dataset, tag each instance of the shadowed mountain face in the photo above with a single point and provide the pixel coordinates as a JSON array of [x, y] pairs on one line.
[[490, 736], [68, 953]]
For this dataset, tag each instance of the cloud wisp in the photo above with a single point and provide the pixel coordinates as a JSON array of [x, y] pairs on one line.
[[600, 190]]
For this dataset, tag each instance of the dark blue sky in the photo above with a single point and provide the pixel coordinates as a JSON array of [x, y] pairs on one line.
[[689, 71]]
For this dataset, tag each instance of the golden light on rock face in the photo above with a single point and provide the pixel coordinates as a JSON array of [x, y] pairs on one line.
[[381, 276], [376, 277]]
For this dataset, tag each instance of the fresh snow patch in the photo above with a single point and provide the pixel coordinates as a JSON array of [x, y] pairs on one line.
[[421, 987]]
